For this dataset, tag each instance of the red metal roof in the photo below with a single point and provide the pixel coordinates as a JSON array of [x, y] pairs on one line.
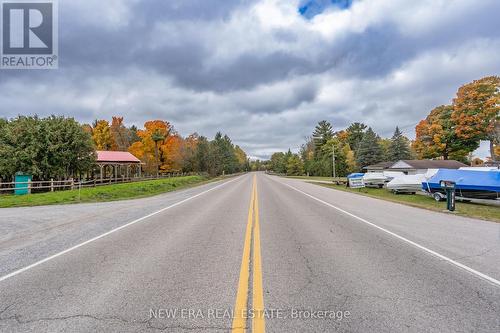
[[116, 157]]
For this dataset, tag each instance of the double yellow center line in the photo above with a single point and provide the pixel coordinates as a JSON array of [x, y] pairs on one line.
[[251, 246]]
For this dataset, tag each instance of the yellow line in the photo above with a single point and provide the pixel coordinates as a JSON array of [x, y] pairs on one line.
[[240, 308], [258, 323]]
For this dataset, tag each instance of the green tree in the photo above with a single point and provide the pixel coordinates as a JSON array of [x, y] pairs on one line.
[[223, 158], [369, 151], [132, 135], [294, 166], [399, 148], [341, 167], [322, 133], [53, 147], [278, 163], [203, 154], [355, 133]]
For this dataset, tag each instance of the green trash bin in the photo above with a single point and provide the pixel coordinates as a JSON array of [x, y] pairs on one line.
[[21, 187]]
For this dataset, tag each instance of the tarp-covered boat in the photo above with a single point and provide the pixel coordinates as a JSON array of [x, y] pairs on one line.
[[375, 179], [469, 183], [409, 183], [355, 175], [379, 179]]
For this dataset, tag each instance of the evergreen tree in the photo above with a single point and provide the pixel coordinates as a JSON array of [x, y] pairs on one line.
[[133, 136], [322, 133], [369, 151], [355, 133], [399, 148], [203, 154]]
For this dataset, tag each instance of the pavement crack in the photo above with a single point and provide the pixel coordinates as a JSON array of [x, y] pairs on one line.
[[19, 320], [5, 309], [482, 253]]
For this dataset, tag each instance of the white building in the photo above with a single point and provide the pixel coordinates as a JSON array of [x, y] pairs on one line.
[[415, 167]]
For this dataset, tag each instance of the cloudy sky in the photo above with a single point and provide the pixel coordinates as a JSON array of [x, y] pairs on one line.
[[262, 71]]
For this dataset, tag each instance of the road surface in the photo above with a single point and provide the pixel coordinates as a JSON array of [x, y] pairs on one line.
[[255, 252]]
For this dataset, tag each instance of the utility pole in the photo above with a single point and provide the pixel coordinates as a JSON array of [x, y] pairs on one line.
[[333, 161]]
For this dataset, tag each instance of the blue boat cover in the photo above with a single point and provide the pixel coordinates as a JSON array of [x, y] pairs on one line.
[[466, 180], [355, 175]]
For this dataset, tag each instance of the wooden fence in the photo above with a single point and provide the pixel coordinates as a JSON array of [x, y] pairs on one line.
[[72, 184]]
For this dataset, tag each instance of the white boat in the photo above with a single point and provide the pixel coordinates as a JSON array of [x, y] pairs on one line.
[[375, 179], [409, 183], [390, 175], [406, 184]]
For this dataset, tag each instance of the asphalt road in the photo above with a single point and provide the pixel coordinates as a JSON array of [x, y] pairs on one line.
[[256, 252]]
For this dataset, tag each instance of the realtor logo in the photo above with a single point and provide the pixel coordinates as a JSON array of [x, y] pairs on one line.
[[29, 37]]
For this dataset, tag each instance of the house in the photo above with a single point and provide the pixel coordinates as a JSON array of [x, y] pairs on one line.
[[414, 167]]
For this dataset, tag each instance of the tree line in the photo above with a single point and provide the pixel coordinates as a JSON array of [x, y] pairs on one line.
[[60, 148], [355, 147], [448, 132], [162, 149]]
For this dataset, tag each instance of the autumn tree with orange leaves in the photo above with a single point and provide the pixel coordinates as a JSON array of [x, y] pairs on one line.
[[146, 149], [436, 137], [453, 131], [476, 112], [173, 153]]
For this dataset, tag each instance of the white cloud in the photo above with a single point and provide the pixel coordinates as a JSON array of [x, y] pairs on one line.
[[257, 70]]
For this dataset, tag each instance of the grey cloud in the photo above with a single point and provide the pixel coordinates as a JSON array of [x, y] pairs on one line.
[[161, 59]]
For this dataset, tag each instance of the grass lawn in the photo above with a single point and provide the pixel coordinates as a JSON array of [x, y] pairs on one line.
[[476, 210], [103, 193]]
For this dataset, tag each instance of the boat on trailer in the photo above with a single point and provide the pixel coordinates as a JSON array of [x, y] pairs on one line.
[[379, 179], [409, 183], [469, 184]]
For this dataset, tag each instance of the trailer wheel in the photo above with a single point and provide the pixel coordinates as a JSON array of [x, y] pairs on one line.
[[437, 196]]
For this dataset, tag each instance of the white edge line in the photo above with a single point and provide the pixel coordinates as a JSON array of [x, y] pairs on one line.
[[434, 253], [21, 270]]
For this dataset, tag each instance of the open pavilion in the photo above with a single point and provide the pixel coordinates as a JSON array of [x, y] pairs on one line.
[[118, 163]]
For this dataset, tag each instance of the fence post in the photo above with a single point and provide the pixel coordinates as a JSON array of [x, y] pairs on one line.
[[51, 184], [29, 186], [72, 183]]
